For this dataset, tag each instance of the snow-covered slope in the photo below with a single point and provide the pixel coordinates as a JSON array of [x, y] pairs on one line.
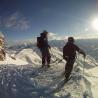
[[92, 77], [23, 78], [29, 56], [11, 60]]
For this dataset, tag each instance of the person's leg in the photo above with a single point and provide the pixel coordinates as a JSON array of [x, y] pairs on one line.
[[43, 61], [68, 68], [43, 57], [48, 59]]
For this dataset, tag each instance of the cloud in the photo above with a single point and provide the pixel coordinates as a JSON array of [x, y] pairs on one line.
[[54, 36], [15, 21], [51, 36], [86, 35]]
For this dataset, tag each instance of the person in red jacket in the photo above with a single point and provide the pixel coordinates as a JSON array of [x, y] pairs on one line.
[[69, 54]]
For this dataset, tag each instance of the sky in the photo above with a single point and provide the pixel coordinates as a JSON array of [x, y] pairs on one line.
[[26, 19]]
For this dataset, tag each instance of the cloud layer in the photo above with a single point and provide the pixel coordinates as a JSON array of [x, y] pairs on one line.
[[15, 21]]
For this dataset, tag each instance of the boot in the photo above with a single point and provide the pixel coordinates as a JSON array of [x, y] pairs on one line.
[[48, 65], [43, 65]]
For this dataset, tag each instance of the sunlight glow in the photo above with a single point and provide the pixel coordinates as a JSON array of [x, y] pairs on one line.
[[95, 24]]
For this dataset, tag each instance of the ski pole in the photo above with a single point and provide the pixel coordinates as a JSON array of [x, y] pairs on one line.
[[83, 67], [56, 57], [60, 61]]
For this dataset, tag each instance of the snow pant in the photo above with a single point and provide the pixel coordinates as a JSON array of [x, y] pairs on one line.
[[69, 67], [45, 56]]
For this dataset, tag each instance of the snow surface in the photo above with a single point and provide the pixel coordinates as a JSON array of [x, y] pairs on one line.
[[10, 61], [22, 77]]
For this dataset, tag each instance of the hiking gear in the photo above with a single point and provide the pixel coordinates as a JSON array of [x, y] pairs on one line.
[[48, 65], [65, 58], [67, 79], [39, 42], [83, 67], [43, 65], [42, 42]]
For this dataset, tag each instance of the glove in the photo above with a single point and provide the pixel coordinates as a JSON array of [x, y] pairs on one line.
[[65, 58]]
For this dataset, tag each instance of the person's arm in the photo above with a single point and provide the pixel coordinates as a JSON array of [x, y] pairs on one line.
[[46, 43], [80, 51]]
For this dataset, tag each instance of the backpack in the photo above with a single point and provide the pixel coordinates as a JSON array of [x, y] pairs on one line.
[[39, 42]]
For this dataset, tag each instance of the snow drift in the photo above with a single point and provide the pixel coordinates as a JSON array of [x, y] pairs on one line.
[[23, 78]]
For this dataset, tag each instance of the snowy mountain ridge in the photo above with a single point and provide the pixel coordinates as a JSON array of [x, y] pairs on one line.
[[89, 45], [23, 77]]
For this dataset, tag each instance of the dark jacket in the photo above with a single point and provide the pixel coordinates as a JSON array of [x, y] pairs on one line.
[[45, 41], [45, 47], [69, 51]]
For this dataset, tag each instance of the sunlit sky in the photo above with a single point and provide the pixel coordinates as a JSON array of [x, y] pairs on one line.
[[25, 19]]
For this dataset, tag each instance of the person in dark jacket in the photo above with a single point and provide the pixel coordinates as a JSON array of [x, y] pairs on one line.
[[45, 49], [69, 54]]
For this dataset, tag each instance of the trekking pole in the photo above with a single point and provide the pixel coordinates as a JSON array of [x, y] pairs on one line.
[[60, 60], [56, 58], [83, 66]]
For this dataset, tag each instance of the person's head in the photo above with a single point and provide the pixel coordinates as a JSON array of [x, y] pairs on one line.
[[71, 40], [44, 33]]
